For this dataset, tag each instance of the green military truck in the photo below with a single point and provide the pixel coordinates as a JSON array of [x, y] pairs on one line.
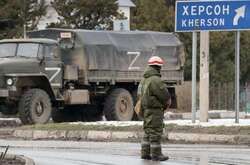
[[63, 73]]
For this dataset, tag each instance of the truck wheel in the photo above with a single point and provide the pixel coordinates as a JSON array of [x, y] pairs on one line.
[[34, 107], [119, 105]]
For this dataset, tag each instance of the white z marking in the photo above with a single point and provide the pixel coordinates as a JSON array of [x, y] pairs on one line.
[[57, 71], [137, 55]]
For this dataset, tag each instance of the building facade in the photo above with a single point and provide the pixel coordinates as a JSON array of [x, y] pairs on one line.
[[52, 16]]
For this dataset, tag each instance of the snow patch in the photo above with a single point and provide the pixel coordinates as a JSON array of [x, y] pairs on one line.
[[212, 122]]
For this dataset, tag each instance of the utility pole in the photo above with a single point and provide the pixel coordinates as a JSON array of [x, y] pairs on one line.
[[204, 76]]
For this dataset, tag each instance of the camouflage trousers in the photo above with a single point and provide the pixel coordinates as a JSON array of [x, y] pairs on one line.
[[153, 129]]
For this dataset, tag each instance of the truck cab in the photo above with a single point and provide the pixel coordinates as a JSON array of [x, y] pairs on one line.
[[31, 77]]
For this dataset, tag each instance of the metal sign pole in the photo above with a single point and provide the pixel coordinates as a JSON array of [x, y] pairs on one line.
[[194, 61], [237, 75]]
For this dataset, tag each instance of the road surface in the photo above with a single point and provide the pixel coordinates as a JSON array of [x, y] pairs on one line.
[[114, 153]]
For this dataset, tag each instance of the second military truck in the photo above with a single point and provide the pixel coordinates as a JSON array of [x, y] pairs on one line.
[[65, 73]]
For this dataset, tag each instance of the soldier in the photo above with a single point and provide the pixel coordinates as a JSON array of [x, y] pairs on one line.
[[154, 99]]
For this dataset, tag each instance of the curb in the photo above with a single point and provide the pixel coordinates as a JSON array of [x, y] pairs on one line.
[[6, 133], [77, 135], [22, 158], [131, 136], [9, 122]]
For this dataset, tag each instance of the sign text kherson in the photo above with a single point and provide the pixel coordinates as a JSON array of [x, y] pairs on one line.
[[200, 10]]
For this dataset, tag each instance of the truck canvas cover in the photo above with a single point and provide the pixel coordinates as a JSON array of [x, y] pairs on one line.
[[123, 51], [109, 56]]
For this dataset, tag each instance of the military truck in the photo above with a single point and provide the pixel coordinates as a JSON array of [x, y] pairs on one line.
[[64, 73]]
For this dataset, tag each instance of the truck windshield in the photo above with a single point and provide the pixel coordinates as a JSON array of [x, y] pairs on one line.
[[27, 49], [19, 49], [7, 49]]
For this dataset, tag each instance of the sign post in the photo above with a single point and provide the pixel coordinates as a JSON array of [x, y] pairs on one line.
[[217, 15], [237, 76], [194, 61]]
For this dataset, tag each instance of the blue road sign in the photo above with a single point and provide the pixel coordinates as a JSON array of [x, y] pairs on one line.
[[213, 15]]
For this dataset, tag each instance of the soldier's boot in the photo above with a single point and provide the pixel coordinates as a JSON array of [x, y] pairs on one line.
[[145, 151], [156, 153]]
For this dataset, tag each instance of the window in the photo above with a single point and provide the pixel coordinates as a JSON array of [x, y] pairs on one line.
[[7, 49], [27, 49], [50, 51]]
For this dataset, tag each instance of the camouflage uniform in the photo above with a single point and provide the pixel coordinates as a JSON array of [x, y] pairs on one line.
[[154, 95]]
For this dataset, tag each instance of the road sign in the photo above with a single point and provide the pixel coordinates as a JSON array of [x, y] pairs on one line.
[[223, 15]]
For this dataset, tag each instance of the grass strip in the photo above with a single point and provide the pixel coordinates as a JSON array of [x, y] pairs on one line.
[[223, 130]]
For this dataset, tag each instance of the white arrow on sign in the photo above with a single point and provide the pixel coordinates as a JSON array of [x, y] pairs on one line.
[[240, 13]]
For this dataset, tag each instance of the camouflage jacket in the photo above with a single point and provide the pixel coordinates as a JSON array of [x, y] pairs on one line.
[[153, 90]]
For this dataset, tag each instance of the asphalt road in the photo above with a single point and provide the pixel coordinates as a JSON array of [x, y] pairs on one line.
[[113, 153]]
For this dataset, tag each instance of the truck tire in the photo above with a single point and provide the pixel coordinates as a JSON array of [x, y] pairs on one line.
[[34, 107], [118, 106]]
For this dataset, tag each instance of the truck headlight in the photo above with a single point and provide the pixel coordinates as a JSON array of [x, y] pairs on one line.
[[10, 81]]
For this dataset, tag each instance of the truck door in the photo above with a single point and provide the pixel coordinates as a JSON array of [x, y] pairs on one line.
[[53, 64]]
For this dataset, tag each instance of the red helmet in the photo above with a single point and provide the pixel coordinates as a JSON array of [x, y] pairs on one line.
[[155, 60]]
